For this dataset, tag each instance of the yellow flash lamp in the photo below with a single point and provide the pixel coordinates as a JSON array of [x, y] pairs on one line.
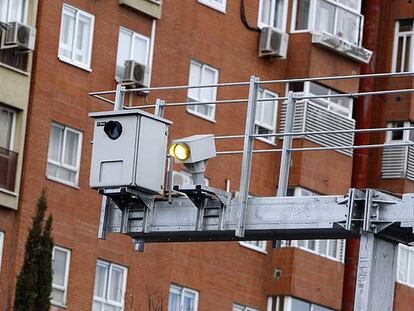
[[180, 151]]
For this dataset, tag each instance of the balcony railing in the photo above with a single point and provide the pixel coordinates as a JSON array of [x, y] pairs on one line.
[[310, 117], [398, 162], [8, 166]]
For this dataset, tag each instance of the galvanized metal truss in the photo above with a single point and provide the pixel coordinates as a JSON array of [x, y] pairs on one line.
[[199, 213]]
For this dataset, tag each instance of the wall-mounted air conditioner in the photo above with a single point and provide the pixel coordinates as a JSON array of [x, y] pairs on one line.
[[18, 35], [136, 73], [273, 42]]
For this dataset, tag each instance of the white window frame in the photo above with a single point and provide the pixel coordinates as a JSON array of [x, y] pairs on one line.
[[76, 168], [193, 99], [6, 12], [406, 133], [1, 247], [63, 288], [13, 131], [214, 4], [258, 119], [260, 24], [134, 35], [258, 246], [404, 35], [340, 257], [239, 307], [409, 266], [72, 60], [313, 16], [330, 104], [181, 291], [288, 304], [294, 17], [188, 179], [106, 300]]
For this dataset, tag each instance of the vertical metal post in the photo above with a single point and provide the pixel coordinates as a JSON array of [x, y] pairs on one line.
[[119, 97], [376, 275], [287, 145], [159, 107], [103, 220], [247, 154]]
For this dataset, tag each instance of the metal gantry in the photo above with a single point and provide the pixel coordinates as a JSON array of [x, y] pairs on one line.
[[200, 213]]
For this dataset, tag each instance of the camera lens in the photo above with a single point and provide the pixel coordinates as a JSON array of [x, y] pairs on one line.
[[113, 129]]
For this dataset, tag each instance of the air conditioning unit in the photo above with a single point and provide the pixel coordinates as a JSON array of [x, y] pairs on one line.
[[136, 73], [273, 42], [18, 35]]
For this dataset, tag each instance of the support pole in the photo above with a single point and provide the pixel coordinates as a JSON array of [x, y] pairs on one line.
[[159, 107], [119, 97], [363, 114], [376, 274], [287, 145], [247, 154]]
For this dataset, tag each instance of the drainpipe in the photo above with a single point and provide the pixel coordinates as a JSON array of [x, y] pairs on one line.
[[363, 116]]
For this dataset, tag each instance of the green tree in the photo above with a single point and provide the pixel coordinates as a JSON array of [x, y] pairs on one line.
[[34, 283]]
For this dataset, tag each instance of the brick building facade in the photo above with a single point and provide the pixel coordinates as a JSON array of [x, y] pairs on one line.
[[81, 47]]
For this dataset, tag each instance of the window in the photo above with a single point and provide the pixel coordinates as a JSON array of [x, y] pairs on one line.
[[237, 307], [266, 114], [337, 17], [60, 266], [182, 299], [202, 74], [405, 266], [64, 154], [273, 13], [7, 127], [302, 10], [184, 178], [219, 5], [131, 46], [1, 247], [76, 35], [340, 105], [399, 136], [13, 10], [259, 246], [110, 286], [402, 58], [294, 304], [8, 158], [332, 249]]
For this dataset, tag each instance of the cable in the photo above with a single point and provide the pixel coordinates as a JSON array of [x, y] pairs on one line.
[[244, 19]]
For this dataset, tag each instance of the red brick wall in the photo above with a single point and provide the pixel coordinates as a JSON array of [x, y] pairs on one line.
[[306, 276], [223, 272], [8, 223]]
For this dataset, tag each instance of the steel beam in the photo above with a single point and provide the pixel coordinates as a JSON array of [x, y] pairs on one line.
[[157, 219]]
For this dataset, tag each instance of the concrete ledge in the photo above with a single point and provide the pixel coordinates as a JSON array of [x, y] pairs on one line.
[[149, 7]]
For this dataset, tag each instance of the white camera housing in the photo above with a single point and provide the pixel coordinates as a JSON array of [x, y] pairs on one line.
[[135, 156]]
